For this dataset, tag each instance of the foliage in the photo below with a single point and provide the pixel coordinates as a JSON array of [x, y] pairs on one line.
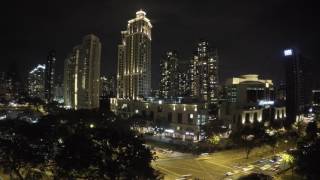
[[24, 149], [36, 102], [75, 144], [249, 136], [307, 155], [272, 139], [214, 127], [311, 131], [214, 140], [256, 176], [137, 120]]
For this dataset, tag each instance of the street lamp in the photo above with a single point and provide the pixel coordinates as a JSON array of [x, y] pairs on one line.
[[92, 125], [288, 159]]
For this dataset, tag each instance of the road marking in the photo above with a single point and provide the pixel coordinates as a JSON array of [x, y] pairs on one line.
[[190, 169], [168, 171], [204, 170], [219, 165]]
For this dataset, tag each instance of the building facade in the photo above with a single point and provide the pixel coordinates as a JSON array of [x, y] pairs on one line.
[[36, 82], [50, 76], [204, 73], [249, 99], [169, 76], [134, 59], [82, 75], [298, 83], [108, 86], [176, 119]]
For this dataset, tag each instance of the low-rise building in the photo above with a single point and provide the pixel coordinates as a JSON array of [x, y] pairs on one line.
[[177, 119], [250, 99]]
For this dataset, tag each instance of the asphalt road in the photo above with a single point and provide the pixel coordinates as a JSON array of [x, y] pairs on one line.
[[210, 167]]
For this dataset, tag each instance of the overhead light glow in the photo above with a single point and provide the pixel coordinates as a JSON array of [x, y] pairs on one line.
[[264, 103], [288, 52]]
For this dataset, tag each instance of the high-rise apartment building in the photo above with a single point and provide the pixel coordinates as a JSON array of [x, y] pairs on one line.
[[298, 83], [169, 76], [3, 85], [36, 82], [82, 75], [108, 86], [184, 77], [134, 59], [50, 75], [204, 73], [316, 97]]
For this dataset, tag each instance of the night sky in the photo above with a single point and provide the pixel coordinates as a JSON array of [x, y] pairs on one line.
[[250, 35]]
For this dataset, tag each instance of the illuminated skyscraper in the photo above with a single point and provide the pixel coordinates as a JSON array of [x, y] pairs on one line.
[[70, 81], [36, 82], [108, 86], [49, 75], [82, 75], [134, 59], [169, 82], [298, 83], [204, 73], [184, 75]]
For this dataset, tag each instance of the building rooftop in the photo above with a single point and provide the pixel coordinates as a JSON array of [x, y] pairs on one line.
[[248, 78]]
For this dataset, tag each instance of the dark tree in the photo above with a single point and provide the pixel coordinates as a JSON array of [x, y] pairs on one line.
[[256, 176], [35, 102], [76, 144], [214, 127], [137, 120], [307, 160], [249, 137], [311, 131], [272, 140], [25, 149]]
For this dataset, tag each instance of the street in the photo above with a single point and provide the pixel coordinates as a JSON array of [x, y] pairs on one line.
[[217, 165]]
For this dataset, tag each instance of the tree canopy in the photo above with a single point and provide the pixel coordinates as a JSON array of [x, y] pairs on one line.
[[307, 155], [75, 144]]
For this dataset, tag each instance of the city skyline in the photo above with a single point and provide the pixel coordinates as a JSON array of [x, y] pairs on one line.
[[160, 90], [244, 42]]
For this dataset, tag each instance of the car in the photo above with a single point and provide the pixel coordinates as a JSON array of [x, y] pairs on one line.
[[272, 161], [250, 167], [265, 167], [236, 171], [187, 175], [204, 154], [274, 169], [229, 173], [278, 162]]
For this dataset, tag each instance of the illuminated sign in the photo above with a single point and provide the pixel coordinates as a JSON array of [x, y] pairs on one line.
[[169, 130], [288, 52], [265, 103]]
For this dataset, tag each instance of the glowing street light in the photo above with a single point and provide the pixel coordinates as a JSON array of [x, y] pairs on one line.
[[92, 125]]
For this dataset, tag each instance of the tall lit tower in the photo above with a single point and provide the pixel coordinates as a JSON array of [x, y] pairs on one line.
[[82, 74], [49, 75], [204, 73], [134, 59], [36, 82], [169, 82], [298, 83]]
